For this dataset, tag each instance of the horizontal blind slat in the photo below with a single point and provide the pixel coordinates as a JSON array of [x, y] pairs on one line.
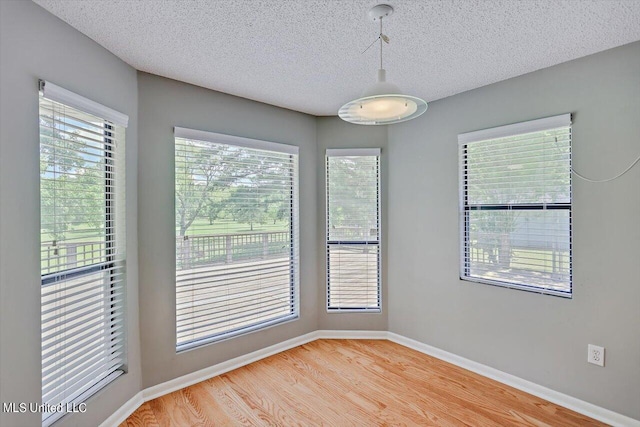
[[195, 312], [79, 343], [214, 280], [260, 314], [60, 366], [85, 379], [235, 312]]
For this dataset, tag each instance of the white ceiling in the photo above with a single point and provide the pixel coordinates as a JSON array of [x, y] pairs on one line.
[[306, 55]]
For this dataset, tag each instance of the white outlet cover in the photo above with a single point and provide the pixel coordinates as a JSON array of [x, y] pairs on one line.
[[595, 355]]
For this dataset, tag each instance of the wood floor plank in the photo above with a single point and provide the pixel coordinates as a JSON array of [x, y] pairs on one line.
[[231, 403], [294, 397], [142, 417], [209, 406], [352, 383]]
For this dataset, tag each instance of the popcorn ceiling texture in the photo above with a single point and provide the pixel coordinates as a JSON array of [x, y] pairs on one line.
[[306, 55]]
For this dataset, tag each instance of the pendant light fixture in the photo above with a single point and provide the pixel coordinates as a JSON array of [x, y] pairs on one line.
[[382, 103]]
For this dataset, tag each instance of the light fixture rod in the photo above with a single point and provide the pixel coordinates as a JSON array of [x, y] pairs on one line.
[[380, 37]]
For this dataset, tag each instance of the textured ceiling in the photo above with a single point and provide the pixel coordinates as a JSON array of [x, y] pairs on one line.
[[307, 55]]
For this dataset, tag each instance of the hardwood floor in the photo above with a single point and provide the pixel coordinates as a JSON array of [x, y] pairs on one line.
[[351, 383]]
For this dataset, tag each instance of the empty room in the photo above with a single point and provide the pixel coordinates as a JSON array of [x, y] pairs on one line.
[[319, 213]]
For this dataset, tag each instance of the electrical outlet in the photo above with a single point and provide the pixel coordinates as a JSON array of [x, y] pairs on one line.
[[595, 355]]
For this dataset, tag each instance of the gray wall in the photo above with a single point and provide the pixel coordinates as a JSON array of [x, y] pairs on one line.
[[333, 132], [163, 104], [540, 338], [36, 45]]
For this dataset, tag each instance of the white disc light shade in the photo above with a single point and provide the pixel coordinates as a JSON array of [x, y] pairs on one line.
[[382, 104]]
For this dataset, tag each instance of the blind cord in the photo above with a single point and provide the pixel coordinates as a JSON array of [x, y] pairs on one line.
[[600, 181], [635, 162]]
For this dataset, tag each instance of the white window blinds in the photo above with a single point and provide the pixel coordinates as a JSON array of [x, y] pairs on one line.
[[353, 229], [82, 252], [236, 235], [515, 205]]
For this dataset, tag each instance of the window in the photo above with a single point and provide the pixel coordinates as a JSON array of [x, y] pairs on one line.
[[353, 230], [82, 251], [515, 206], [236, 202]]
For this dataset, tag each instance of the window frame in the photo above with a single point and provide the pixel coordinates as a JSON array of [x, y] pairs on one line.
[[354, 152], [294, 241], [113, 265], [465, 208]]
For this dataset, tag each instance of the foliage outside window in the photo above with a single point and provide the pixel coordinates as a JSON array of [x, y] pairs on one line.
[[515, 206], [236, 236]]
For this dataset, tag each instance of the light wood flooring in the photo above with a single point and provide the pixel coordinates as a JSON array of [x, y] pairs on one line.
[[351, 383]]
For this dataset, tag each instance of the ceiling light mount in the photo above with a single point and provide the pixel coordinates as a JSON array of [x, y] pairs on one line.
[[380, 11], [382, 103]]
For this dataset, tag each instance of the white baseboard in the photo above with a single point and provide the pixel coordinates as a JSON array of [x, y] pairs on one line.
[[577, 405], [558, 398], [351, 335], [124, 411], [229, 365]]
